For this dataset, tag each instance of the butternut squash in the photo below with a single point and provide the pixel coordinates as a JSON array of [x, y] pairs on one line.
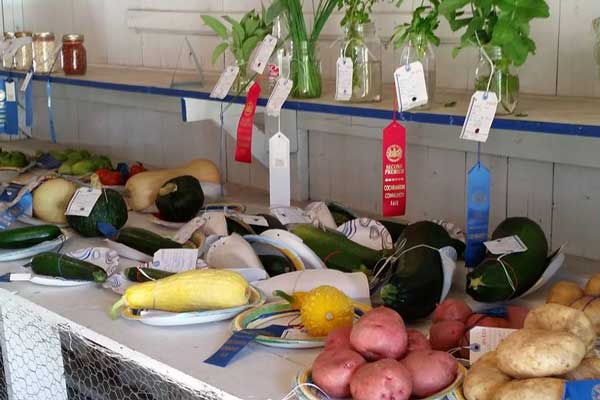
[[142, 188]]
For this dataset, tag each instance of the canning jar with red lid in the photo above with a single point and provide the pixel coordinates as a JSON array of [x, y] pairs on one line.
[[74, 58]]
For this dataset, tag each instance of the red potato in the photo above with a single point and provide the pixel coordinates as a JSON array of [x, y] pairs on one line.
[[380, 333], [431, 371], [381, 380], [516, 316], [484, 320], [417, 341], [339, 337], [333, 370], [451, 310], [445, 335]]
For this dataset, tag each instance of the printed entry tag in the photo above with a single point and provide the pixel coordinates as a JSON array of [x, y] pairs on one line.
[[279, 170], [343, 79], [394, 170], [83, 201], [290, 215], [175, 260], [480, 116], [506, 245], [11, 94], [280, 93], [483, 340], [225, 82], [411, 88], [263, 53]]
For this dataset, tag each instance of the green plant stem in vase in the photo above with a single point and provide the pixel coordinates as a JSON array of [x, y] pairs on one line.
[[504, 82], [305, 68]]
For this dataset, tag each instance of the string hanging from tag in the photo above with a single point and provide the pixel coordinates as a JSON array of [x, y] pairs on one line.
[[489, 60], [506, 267]]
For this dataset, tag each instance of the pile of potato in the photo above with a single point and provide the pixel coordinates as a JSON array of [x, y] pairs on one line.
[[587, 300], [378, 358], [453, 319], [555, 345]]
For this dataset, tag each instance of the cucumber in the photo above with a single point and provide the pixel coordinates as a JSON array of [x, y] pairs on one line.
[[413, 284], [63, 266], [20, 238], [137, 274], [336, 250], [145, 241], [488, 283]]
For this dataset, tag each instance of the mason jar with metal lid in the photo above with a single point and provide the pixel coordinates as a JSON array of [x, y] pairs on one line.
[[24, 55], [74, 58], [7, 60], [43, 49]]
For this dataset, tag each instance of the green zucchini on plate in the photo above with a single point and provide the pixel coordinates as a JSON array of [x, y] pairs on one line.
[[144, 241], [62, 266], [136, 274], [20, 238]]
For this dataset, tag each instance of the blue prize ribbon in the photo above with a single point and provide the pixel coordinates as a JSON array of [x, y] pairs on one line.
[[238, 341], [582, 390], [478, 213], [50, 113]]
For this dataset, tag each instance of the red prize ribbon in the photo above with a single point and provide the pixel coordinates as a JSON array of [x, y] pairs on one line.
[[243, 149], [394, 168]]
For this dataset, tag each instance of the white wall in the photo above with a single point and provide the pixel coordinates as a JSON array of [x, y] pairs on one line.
[[150, 33]]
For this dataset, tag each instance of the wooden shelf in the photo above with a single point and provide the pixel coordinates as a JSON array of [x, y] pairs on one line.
[[576, 116]]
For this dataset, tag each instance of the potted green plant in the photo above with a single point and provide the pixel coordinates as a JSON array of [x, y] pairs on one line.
[[241, 38], [500, 28], [305, 69], [416, 41], [362, 45]]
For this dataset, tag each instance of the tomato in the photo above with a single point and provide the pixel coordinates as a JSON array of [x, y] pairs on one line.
[[136, 168], [109, 177]]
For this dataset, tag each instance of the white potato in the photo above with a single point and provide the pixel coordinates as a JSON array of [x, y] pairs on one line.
[[484, 378], [531, 389]]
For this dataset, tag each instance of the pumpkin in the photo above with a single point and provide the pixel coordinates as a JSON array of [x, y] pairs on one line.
[[180, 199], [142, 189]]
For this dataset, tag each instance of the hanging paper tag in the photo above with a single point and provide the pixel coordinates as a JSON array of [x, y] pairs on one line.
[[280, 93], [243, 149], [506, 245], [225, 82], [256, 220], [343, 79], [478, 213], [10, 215], [394, 170], [238, 341], [411, 88], [263, 53], [290, 215], [26, 81], [83, 201], [9, 110], [175, 260], [279, 170], [11, 94], [480, 116], [483, 340]]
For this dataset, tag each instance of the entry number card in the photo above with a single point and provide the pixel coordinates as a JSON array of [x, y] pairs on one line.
[[225, 82], [411, 88], [343, 81], [480, 116], [83, 201], [506, 245]]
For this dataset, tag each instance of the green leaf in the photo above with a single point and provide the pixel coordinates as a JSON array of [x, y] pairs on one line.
[[524, 10], [249, 45], [237, 30], [250, 26], [215, 25], [449, 6], [456, 24], [219, 51], [275, 9], [514, 46]]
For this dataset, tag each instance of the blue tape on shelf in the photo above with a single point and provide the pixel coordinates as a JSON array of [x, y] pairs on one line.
[[478, 213], [183, 110], [10, 215], [238, 341], [50, 113], [582, 390]]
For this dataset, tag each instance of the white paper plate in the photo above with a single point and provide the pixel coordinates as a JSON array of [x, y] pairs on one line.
[[19, 254], [163, 318], [57, 282], [128, 252], [310, 259]]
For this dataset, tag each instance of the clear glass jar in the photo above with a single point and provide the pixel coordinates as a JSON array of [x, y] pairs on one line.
[[305, 70], [418, 48], [596, 25], [242, 82], [7, 59], [74, 57], [504, 81], [43, 49], [24, 55], [279, 63], [362, 45]]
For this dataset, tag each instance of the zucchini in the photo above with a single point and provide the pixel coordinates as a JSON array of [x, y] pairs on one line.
[[414, 281], [336, 250], [236, 225], [20, 238], [488, 282], [340, 213], [63, 266], [135, 274], [145, 241]]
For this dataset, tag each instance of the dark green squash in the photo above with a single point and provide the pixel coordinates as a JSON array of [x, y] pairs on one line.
[[180, 199], [110, 209]]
